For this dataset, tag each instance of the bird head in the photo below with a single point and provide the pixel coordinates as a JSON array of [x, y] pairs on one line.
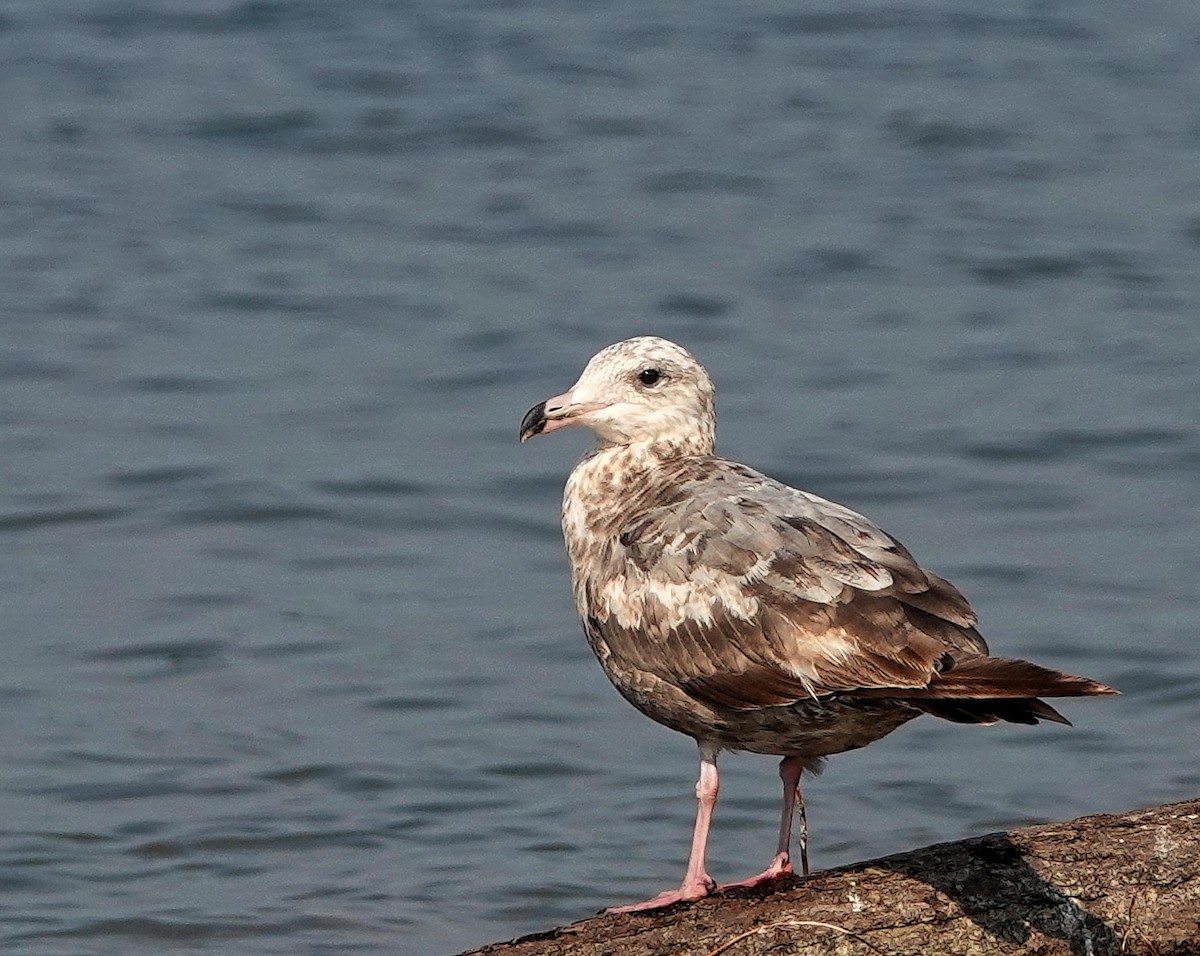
[[643, 390]]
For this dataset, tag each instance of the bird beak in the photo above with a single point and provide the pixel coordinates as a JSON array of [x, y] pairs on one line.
[[554, 413]]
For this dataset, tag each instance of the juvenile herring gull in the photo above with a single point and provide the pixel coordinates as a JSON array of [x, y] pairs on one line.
[[750, 615]]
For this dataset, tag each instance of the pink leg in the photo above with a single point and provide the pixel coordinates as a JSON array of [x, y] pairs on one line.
[[697, 884], [790, 769]]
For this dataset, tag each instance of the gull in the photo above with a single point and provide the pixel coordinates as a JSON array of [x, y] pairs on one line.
[[749, 615]]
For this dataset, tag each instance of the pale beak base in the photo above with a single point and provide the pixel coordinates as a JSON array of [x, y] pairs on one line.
[[552, 414]]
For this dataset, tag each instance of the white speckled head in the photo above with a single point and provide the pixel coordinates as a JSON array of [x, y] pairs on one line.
[[644, 390]]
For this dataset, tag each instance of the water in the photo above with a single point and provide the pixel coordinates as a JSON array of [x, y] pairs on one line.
[[290, 660]]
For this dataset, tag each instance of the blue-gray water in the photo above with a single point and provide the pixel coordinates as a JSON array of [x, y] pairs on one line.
[[290, 662]]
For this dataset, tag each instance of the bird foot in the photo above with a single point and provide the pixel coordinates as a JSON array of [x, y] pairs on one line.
[[780, 868], [690, 891]]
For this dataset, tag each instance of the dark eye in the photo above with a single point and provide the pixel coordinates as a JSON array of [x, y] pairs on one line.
[[649, 376]]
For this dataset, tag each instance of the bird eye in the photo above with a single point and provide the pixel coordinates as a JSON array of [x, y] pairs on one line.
[[649, 376]]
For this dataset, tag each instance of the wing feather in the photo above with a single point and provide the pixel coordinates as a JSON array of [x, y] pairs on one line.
[[747, 594]]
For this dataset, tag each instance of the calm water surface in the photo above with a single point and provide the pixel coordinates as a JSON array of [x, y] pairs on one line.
[[290, 660]]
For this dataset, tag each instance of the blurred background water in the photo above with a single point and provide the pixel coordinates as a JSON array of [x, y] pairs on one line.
[[290, 660]]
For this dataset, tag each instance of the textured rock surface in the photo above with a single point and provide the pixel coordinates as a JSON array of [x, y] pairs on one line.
[[1101, 885]]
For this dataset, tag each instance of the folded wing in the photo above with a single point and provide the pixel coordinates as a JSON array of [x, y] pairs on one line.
[[746, 593]]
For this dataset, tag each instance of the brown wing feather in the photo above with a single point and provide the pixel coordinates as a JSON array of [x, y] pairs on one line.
[[752, 688], [943, 600], [780, 608]]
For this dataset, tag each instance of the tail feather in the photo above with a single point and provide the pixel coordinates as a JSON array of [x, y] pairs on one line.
[[992, 677], [983, 690], [1026, 710]]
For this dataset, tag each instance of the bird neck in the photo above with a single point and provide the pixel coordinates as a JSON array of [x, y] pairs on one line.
[[641, 461], [683, 442]]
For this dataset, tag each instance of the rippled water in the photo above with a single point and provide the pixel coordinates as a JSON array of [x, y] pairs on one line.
[[291, 665]]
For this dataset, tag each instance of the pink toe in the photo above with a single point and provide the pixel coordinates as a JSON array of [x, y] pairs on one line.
[[780, 868], [689, 892]]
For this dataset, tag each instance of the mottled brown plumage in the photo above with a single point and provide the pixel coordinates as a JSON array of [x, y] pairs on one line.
[[748, 614]]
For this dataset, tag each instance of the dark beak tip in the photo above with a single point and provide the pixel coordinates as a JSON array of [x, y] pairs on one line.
[[534, 422]]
